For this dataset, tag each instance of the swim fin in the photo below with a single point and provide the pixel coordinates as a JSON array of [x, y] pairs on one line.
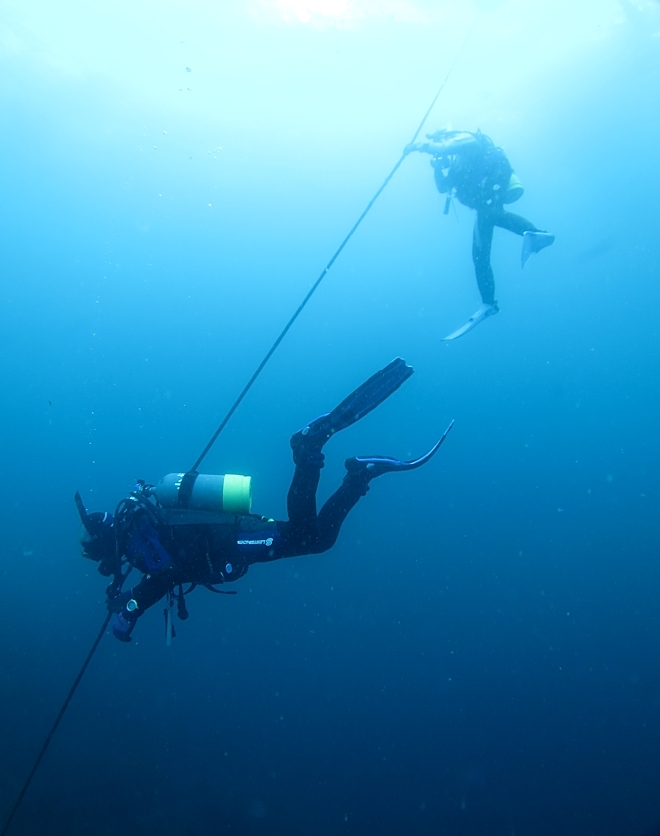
[[358, 404], [483, 313], [534, 242], [372, 466]]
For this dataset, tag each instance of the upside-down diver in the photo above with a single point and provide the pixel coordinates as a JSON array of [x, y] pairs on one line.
[[194, 529]]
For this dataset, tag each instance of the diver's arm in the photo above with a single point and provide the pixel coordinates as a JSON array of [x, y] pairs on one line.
[[132, 603], [423, 148], [151, 588], [450, 145]]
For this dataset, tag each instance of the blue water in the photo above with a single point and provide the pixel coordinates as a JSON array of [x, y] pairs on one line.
[[478, 655]]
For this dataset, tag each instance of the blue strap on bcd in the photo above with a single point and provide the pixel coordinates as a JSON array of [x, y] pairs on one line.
[[145, 547]]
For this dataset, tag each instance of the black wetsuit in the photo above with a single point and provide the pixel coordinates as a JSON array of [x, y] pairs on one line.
[[479, 173], [488, 217], [170, 552]]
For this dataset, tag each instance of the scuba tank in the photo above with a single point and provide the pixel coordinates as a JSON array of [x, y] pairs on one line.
[[203, 492]]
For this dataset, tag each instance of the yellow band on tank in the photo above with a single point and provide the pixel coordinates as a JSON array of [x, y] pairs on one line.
[[236, 494], [514, 191]]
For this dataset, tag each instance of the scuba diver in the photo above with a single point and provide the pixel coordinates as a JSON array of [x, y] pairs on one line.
[[197, 529], [470, 167]]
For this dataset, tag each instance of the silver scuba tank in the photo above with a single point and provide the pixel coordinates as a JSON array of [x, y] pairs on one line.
[[204, 492]]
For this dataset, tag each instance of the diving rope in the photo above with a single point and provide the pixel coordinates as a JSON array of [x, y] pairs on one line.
[[328, 266], [227, 418]]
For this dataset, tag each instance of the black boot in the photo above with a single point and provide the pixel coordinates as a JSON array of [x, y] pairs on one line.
[[308, 442]]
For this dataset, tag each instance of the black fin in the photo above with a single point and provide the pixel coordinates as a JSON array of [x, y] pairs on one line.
[[359, 403]]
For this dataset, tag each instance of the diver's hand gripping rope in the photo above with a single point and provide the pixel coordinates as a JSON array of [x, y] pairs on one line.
[[328, 266]]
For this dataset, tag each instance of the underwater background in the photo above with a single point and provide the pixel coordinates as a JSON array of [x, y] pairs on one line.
[[478, 654]]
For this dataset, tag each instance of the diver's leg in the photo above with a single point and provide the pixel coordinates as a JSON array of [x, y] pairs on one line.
[[337, 508], [300, 534], [301, 499], [360, 471], [482, 240], [534, 239], [316, 534], [512, 222], [305, 532]]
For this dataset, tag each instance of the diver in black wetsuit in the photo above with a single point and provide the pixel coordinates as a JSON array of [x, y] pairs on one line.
[[173, 535], [471, 168]]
